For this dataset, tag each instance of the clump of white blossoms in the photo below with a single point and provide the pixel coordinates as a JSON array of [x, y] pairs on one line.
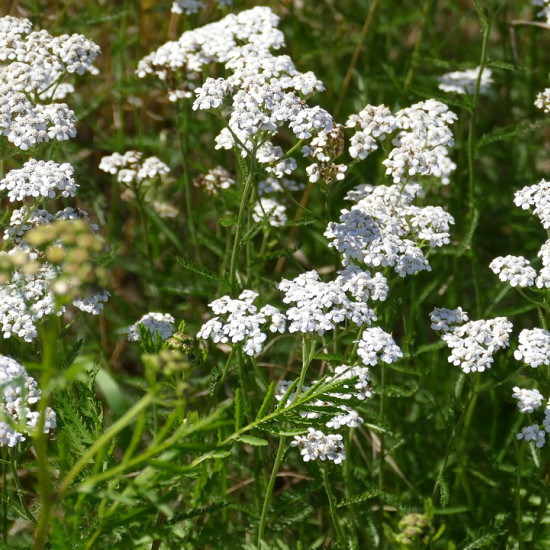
[[32, 65], [443, 318], [515, 270], [534, 347], [474, 343], [214, 180], [239, 321], [161, 323], [19, 392], [142, 179], [39, 179], [465, 82], [193, 6], [262, 93], [317, 307], [384, 229], [270, 209], [316, 445], [528, 402], [377, 345]]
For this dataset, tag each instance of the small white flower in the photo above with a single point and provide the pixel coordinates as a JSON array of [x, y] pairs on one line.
[[163, 323]]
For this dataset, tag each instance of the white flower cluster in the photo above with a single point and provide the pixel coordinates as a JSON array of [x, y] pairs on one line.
[[19, 391], [25, 300], [262, 93], [316, 445], [145, 177], [215, 179], [317, 307], [515, 270], [39, 179], [443, 318], [528, 402], [161, 323], [420, 147], [473, 343], [377, 345], [537, 198], [384, 229], [240, 322], [534, 347], [375, 123], [267, 207], [543, 98], [465, 82], [181, 62], [193, 6], [32, 64], [92, 303], [131, 170]]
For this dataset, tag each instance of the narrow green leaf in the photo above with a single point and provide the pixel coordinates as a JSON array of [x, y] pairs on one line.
[[359, 498], [239, 410], [190, 265], [228, 221], [251, 440], [266, 402]]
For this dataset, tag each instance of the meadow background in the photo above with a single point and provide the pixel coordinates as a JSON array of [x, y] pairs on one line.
[[145, 453]]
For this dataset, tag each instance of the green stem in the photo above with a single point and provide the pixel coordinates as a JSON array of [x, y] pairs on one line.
[[472, 199], [332, 504], [48, 336], [415, 59], [243, 213], [308, 349], [519, 521], [182, 128], [270, 486]]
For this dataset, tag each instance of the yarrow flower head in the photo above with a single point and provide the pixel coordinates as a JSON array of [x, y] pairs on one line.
[[474, 343], [316, 445], [161, 323], [377, 345], [528, 400], [384, 229], [262, 92], [39, 179], [239, 321], [465, 82], [443, 318], [33, 63], [318, 307], [19, 392], [534, 347], [515, 270]]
